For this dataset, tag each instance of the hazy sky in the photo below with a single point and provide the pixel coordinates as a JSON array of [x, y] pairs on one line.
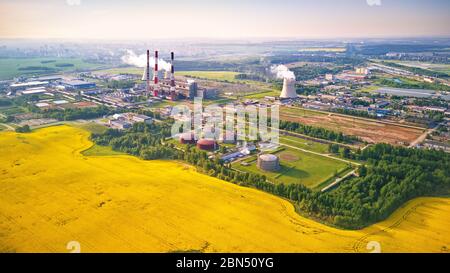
[[147, 19]]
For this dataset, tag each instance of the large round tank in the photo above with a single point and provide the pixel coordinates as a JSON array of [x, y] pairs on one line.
[[288, 91], [268, 162], [207, 144]]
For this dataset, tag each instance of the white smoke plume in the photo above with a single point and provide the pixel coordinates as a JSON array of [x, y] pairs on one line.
[[282, 72], [141, 61]]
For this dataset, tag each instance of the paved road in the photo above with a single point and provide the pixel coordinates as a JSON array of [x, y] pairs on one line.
[[338, 180]]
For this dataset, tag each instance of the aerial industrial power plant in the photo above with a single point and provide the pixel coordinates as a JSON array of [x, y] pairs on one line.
[[229, 136]]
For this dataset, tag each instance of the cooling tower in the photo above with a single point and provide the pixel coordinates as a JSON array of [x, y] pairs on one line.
[[288, 91]]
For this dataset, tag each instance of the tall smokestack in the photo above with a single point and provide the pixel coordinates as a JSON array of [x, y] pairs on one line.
[[155, 76], [172, 70], [147, 71], [173, 92]]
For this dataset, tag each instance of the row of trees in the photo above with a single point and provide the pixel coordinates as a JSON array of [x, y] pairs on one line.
[[317, 132], [351, 112], [77, 113], [390, 176]]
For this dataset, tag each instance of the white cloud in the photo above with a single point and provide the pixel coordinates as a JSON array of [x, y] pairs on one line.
[[374, 2], [73, 2]]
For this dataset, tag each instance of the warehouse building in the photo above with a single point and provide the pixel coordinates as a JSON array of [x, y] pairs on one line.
[[78, 84]]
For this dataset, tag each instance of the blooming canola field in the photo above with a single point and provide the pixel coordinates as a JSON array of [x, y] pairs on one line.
[[52, 194]]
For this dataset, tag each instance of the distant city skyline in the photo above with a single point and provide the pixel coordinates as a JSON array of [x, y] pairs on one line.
[[171, 19]]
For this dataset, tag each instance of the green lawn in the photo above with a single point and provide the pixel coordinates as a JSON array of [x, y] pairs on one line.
[[263, 93], [92, 127], [305, 144], [97, 150], [13, 67], [298, 167]]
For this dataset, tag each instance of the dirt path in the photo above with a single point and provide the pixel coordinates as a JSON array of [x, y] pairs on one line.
[[423, 136]]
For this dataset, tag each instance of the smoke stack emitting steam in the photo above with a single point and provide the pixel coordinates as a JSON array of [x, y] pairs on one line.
[[141, 61], [282, 72]]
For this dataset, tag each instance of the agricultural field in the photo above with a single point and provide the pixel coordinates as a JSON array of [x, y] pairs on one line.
[[210, 75], [13, 67], [123, 70], [367, 130], [51, 194], [298, 167]]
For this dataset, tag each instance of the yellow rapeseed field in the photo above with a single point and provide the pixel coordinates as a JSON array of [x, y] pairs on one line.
[[51, 194]]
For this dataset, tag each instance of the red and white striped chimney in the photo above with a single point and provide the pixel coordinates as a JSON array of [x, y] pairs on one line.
[[155, 76], [172, 71], [148, 72]]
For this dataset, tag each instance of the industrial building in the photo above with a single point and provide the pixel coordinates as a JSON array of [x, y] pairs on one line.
[[26, 85], [78, 84], [33, 91], [165, 86], [268, 162], [126, 120]]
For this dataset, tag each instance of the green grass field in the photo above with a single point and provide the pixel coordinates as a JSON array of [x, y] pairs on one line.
[[298, 167], [97, 150], [211, 75], [92, 127], [124, 70], [14, 67], [305, 144], [12, 110]]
